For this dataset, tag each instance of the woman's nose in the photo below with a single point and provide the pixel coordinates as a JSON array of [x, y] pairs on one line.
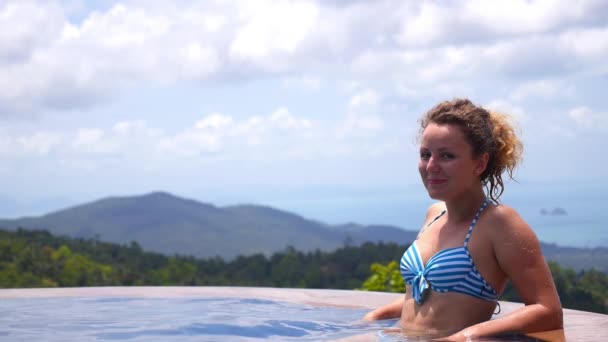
[[432, 165]]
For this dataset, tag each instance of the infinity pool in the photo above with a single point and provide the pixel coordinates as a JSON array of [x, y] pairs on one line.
[[217, 314], [184, 319]]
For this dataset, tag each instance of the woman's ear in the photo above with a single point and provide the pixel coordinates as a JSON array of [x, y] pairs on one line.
[[482, 163]]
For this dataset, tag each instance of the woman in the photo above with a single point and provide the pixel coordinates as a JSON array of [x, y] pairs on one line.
[[470, 245]]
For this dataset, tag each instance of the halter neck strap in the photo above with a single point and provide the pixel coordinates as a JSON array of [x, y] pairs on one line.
[[483, 206]]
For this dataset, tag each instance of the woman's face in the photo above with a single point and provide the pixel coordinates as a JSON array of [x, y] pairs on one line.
[[446, 163]]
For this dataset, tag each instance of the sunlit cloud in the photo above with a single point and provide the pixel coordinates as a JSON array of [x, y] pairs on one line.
[[586, 118]]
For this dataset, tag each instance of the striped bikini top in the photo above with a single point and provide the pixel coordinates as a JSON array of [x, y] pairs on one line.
[[450, 270]]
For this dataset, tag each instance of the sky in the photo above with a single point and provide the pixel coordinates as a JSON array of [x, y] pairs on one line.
[[284, 102]]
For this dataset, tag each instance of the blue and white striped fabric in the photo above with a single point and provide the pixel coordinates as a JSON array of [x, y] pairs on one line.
[[450, 270]]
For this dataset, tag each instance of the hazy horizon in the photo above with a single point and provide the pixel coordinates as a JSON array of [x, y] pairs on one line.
[[405, 206]]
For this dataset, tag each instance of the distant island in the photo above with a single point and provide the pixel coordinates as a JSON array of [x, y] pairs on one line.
[[557, 211]]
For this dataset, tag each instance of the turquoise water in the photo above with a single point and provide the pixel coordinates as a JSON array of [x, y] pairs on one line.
[[185, 319]]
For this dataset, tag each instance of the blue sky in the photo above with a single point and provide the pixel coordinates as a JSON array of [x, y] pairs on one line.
[[283, 101]]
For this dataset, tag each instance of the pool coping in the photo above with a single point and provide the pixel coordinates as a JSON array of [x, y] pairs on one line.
[[578, 325]]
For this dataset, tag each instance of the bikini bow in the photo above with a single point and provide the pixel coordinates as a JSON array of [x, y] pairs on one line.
[[419, 287]]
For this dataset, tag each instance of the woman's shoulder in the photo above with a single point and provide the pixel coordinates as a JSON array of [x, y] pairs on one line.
[[506, 221], [502, 213], [434, 210]]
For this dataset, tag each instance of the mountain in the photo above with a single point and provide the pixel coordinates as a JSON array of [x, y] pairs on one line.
[[169, 224], [161, 222]]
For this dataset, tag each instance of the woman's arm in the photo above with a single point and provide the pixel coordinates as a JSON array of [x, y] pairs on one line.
[[519, 255], [392, 310]]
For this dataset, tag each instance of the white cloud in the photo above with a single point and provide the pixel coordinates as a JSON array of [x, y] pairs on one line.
[[83, 64], [434, 23], [135, 128], [425, 27], [270, 29], [359, 127], [51, 62], [123, 27], [586, 118], [279, 135], [283, 119], [94, 141], [588, 44], [40, 143], [528, 17], [364, 98], [20, 37], [542, 88], [214, 121], [206, 137], [219, 135], [88, 136], [37, 144], [509, 108]]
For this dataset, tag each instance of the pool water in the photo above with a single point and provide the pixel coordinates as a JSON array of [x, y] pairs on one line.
[[189, 319], [184, 319]]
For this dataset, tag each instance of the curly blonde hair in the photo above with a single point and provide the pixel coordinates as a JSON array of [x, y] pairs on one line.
[[487, 132]]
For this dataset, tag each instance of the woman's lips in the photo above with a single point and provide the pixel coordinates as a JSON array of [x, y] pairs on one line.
[[436, 181]]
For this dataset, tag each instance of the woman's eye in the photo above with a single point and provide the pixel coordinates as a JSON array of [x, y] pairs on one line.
[[425, 155], [447, 156]]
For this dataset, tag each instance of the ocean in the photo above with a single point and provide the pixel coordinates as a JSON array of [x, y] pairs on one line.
[[563, 214]]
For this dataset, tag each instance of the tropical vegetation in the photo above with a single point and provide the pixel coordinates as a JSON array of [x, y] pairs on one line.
[[39, 259]]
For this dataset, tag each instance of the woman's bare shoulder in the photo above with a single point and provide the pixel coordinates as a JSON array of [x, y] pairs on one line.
[[502, 212], [507, 223], [434, 210]]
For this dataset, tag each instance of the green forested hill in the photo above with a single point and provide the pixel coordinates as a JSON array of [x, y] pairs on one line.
[[38, 259], [168, 224]]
